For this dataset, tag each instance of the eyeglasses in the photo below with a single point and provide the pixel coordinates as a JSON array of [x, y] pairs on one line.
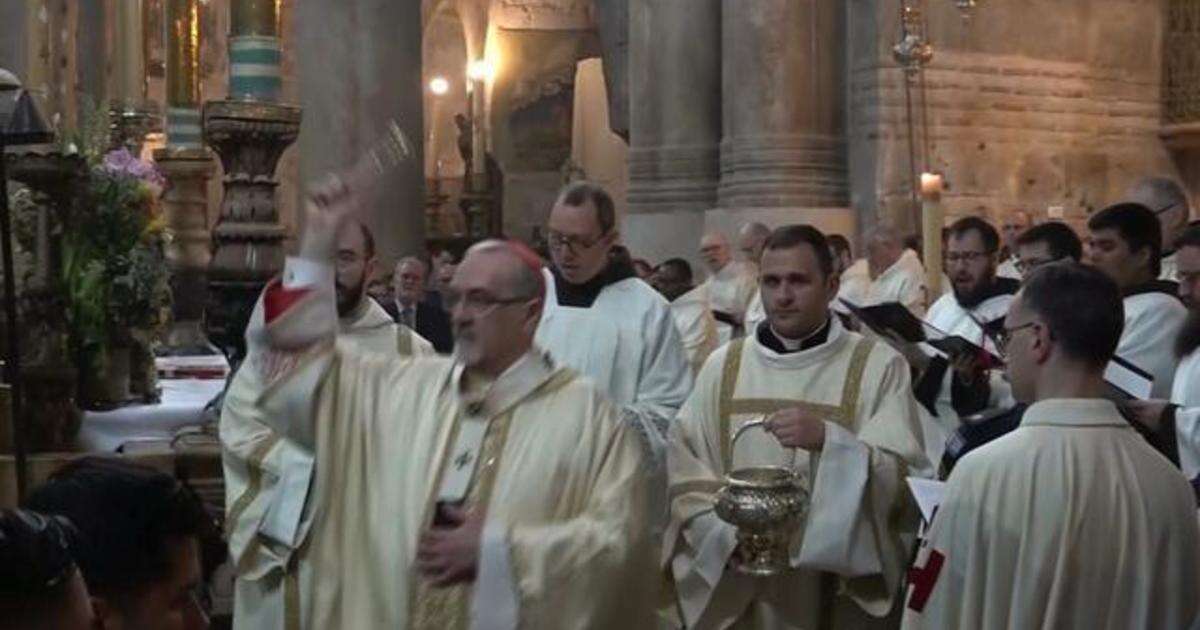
[[478, 301], [1026, 265], [964, 257], [574, 244], [1005, 335]]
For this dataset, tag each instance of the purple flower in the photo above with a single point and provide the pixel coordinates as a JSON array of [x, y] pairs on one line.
[[122, 162]]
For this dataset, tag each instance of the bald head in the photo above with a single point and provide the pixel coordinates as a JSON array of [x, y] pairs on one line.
[[885, 245], [495, 304], [751, 238], [520, 268], [1013, 225], [714, 249]]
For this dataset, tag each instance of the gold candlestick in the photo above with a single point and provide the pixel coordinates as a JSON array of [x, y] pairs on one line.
[[129, 67], [183, 53]]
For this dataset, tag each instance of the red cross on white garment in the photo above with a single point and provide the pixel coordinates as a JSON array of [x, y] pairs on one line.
[[924, 579]]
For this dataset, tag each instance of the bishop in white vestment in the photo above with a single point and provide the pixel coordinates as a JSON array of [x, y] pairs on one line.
[[399, 471], [849, 554]]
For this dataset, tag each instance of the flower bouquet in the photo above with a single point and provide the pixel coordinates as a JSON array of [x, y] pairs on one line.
[[116, 279]]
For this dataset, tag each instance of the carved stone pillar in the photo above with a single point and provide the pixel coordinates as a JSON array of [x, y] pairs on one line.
[[675, 85], [783, 156], [247, 239], [185, 205]]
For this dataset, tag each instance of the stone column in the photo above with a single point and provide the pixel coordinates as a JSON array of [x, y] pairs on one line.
[[783, 156], [675, 86], [359, 63]]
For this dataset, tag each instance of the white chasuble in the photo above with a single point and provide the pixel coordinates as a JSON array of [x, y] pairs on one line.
[[697, 328], [849, 553], [1071, 521], [558, 477]]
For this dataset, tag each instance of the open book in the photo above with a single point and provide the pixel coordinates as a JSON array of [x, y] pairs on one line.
[[892, 319]]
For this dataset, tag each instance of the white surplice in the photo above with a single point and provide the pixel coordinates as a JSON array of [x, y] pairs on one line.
[[1186, 393], [1169, 270], [731, 290], [903, 282], [1072, 521], [627, 343], [1152, 322], [849, 553], [330, 541], [952, 318], [697, 328]]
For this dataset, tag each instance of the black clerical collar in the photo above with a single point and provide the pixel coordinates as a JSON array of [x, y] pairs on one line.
[[584, 295], [997, 287], [1154, 286], [770, 340]]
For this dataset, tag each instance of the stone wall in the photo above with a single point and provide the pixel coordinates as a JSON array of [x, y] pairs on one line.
[[1030, 104]]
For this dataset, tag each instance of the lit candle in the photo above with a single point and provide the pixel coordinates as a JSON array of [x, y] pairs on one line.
[[254, 17], [932, 219]]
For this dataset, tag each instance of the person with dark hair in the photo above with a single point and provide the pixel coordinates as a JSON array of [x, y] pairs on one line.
[[1181, 414], [424, 484], [1167, 199], [819, 391], [690, 308], [142, 544], [1046, 243], [41, 587], [604, 322], [843, 255], [965, 383], [1015, 223], [1124, 241], [362, 320], [1072, 519]]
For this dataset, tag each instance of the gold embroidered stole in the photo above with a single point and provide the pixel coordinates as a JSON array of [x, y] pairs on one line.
[[728, 406], [449, 608]]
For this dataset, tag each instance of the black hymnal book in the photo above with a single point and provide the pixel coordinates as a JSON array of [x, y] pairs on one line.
[[893, 319]]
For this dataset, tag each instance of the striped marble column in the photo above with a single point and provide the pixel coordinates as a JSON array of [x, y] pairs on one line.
[[183, 74], [254, 51]]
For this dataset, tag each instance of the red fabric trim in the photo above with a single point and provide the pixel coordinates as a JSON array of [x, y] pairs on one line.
[[278, 299]]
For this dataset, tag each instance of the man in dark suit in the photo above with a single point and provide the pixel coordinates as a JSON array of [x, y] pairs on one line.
[[411, 309]]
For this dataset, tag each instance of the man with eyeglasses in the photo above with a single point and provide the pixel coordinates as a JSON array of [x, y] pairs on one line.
[[956, 386], [1170, 204], [604, 322], [1071, 520], [751, 238], [496, 485], [362, 320], [1124, 241], [1046, 243]]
